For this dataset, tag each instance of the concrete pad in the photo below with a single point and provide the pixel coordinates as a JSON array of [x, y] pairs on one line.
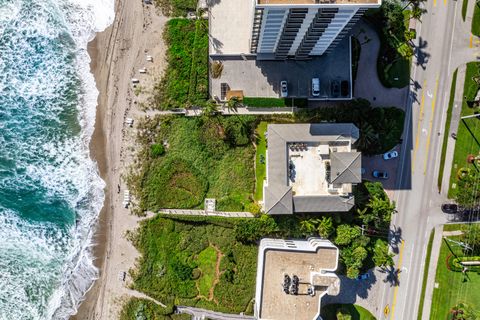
[[231, 24]]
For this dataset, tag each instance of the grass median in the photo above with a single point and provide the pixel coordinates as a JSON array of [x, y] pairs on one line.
[[447, 130], [425, 274]]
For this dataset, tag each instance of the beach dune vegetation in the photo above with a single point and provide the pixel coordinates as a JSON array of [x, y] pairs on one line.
[[226, 281], [185, 82], [207, 157]]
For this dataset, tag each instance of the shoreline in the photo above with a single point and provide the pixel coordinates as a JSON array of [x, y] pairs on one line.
[[116, 54]]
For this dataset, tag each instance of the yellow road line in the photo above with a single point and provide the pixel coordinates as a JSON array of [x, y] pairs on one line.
[[434, 3], [400, 259], [422, 103], [471, 41], [445, 2], [430, 126]]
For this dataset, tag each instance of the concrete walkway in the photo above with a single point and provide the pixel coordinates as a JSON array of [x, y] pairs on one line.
[[367, 84], [141, 295], [225, 214], [198, 313], [452, 233], [432, 271]]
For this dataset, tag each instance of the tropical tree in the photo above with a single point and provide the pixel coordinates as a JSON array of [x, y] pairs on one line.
[[233, 104], [368, 139], [346, 234], [467, 193], [308, 225], [380, 211], [325, 227], [210, 108], [381, 256]]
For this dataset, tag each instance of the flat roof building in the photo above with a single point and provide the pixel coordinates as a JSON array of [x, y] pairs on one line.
[[293, 276], [311, 168]]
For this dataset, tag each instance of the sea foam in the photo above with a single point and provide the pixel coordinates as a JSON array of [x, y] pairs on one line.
[[50, 190]]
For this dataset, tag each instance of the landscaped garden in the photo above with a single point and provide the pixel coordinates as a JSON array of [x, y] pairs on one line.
[[392, 24], [345, 312], [464, 170], [458, 293], [203, 157], [185, 82]]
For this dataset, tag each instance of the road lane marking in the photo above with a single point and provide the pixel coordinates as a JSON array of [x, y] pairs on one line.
[[422, 103], [434, 3], [445, 2], [395, 292], [430, 126], [471, 40]]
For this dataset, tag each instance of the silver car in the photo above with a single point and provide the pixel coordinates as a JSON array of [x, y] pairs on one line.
[[283, 89]]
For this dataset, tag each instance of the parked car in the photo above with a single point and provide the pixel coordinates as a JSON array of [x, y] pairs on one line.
[[390, 155], [380, 174], [344, 88], [335, 88], [449, 208], [315, 87], [364, 276], [283, 89]]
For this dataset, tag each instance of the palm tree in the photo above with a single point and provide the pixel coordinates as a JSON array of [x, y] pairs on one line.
[[232, 104], [210, 108]]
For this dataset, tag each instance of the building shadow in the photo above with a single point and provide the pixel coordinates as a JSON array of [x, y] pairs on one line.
[[351, 289]]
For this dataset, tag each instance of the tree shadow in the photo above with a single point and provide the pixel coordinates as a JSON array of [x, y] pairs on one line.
[[395, 236], [216, 44], [421, 54], [392, 276]]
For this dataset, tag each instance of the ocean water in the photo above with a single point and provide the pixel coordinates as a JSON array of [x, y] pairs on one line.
[[50, 190]]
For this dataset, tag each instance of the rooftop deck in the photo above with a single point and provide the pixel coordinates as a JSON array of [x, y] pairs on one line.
[[278, 305]]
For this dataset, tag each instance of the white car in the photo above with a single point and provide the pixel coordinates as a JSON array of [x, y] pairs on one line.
[[315, 87], [390, 155], [283, 89]]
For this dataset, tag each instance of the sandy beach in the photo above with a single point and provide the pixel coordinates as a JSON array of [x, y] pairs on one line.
[[117, 55]]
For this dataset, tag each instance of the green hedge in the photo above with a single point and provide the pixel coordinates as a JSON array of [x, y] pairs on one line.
[[455, 263], [274, 102]]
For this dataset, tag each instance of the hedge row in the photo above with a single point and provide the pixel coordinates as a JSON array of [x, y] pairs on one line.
[[455, 263], [274, 102]]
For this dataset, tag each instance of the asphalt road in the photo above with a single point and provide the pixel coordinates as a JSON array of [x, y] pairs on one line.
[[442, 45]]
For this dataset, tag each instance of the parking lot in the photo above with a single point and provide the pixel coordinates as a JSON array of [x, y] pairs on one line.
[[261, 78], [378, 163]]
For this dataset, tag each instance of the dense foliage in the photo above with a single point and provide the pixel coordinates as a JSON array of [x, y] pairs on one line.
[[185, 82], [359, 249], [141, 309], [180, 257], [380, 128], [205, 157]]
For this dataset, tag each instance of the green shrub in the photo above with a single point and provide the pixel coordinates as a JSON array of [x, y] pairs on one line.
[[275, 102], [251, 230], [157, 150]]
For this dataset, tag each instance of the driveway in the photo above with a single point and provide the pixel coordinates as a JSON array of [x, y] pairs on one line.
[[377, 163], [367, 84]]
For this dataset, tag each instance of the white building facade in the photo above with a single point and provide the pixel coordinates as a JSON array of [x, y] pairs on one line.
[[298, 29]]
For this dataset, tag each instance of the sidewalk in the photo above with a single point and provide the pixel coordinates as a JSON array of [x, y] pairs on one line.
[[187, 212], [432, 271], [456, 111]]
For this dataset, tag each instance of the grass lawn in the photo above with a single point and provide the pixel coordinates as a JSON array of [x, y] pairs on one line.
[[356, 312], [398, 73], [476, 20], [205, 157], [260, 168], [466, 143], [206, 262], [425, 274], [447, 129], [452, 289], [172, 249], [464, 9]]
